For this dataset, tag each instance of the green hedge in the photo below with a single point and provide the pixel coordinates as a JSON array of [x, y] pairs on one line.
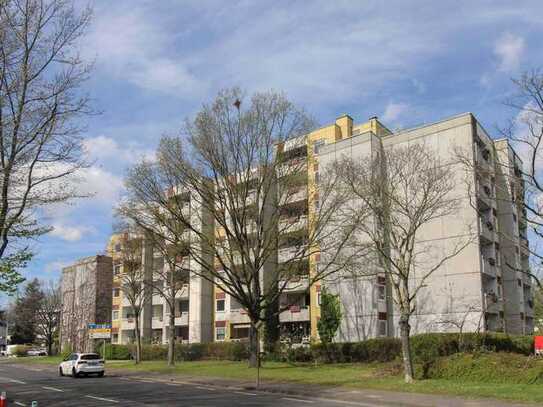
[[116, 352], [183, 352], [426, 348], [489, 367]]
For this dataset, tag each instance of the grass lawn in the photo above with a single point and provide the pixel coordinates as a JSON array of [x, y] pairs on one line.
[[46, 360], [359, 376]]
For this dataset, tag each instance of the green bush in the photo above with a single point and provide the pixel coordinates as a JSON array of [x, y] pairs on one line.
[[489, 367], [115, 352]]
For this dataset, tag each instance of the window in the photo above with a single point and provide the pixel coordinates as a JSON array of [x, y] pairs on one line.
[[116, 292], [118, 247], [220, 305], [319, 298], [115, 315], [381, 292], [116, 269], [184, 306], [514, 218], [220, 333], [519, 282], [382, 328], [381, 288], [115, 338]]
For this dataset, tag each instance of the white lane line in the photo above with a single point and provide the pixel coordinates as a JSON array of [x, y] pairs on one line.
[[102, 399], [245, 393], [206, 388], [51, 388], [18, 403], [300, 400], [17, 381]]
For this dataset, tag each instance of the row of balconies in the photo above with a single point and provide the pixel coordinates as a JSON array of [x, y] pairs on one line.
[[295, 313]]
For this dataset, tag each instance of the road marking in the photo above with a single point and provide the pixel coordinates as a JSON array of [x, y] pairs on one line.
[[300, 400], [51, 388], [245, 393], [102, 399], [206, 388], [19, 403], [17, 381]]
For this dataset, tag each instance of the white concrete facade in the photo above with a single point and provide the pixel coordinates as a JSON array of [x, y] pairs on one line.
[[473, 288]]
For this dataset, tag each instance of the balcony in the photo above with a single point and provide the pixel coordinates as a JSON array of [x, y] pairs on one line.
[[487, 230], [296, 284], [296, 313], [182, 319], [291, 224], [128, 323], [157, 322], [485, 195], [488, 266], [239, 316]]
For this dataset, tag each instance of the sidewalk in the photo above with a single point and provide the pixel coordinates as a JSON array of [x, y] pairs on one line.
[[360, 397]]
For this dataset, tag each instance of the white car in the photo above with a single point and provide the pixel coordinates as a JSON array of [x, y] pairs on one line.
[[36, 352], [78, 364]]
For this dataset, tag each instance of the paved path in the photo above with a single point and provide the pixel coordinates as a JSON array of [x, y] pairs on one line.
[[26, 383]]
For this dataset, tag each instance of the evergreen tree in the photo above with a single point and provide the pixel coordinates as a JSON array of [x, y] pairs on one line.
[[330, 316], [24, 315]]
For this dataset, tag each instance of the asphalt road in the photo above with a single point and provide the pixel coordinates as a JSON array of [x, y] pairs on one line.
[[24, 384]]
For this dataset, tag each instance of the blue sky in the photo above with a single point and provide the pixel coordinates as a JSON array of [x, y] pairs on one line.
[[156, 62]]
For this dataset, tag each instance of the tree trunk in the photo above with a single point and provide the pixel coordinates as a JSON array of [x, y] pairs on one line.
[[50, 346], [254, 346], [171, 339], [138, 338], [405, 330]]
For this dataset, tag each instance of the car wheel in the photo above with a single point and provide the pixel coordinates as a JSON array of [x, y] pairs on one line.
[[74, 373], [60, 372], [101, 374]]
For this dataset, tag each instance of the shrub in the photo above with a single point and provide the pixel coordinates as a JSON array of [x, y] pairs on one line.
[[500, 367], [238, 351], [115, 352]]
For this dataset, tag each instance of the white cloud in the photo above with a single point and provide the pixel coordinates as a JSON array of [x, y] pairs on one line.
[[70, 233], [129, 46], [394, 111], [509, 48], [104, 149]]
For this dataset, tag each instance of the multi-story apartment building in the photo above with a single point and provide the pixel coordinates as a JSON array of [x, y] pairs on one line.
[[86, 289], [484, 286], [193, 302]]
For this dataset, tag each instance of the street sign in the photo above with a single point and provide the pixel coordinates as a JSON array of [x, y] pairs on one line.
[[99, 331]]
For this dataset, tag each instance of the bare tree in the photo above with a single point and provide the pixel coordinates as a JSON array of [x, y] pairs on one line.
[[133, 279], [170, 272], [40, 111], [48, 315], [250, 228], [396, 194], [525, 131]]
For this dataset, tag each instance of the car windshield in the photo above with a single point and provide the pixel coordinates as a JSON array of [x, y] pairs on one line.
[[90, 357]]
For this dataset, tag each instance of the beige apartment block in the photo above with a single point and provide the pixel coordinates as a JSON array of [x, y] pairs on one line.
[[193, 303], [86, 289], [483, 288], [477, 289]]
